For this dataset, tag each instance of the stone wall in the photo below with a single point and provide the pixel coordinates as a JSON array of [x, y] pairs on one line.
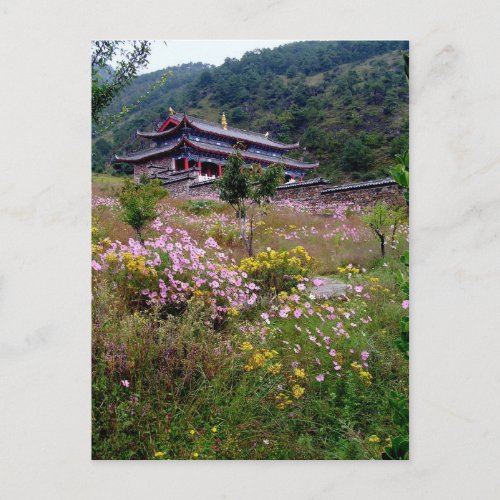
[[366, 197], [315, 194], [202, 190], [307, 193]]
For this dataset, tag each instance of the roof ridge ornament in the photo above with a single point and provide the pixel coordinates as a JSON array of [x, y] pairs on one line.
[[171, 111], [223, 121]]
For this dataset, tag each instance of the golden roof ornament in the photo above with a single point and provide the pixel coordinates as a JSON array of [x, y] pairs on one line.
[[223, 121], [171, 111]]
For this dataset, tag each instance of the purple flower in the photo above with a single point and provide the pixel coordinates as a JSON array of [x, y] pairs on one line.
[[405, 304], [125, 383], [320, 377]]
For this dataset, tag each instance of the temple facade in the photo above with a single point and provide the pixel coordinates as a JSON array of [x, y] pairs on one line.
[[188, 148]]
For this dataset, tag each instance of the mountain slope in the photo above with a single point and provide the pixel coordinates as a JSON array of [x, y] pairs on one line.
[[346, 102]]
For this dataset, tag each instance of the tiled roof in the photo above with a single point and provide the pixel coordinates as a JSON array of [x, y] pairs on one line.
[[311, 182], [225, 150], [202, 183], [216, 128], [146, 153], [360, 185]]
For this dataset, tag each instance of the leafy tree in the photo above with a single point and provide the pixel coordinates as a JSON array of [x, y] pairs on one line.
[[237, 115], [401, 173], [356, 156], [107, 83], [138, 203], [383, 220], [246, 188]]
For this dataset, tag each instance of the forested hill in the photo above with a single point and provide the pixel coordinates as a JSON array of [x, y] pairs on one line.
[[346, 102]]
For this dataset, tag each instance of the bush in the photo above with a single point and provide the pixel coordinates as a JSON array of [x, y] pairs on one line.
[[202, 207], [138, 203], [280, 271]]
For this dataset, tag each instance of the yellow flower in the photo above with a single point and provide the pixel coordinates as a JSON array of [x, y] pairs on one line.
[[246, 346], [374, 439], [259, 359], [159, 454], [214, 429], [232, 311], [192, 432], [275, 368], [297, 391], [300, 373], [195, 455], [366, 376]]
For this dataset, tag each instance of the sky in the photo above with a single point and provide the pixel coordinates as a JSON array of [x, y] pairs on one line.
[[206, 51]]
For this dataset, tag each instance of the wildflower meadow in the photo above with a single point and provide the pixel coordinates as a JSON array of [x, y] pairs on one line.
[[200, 351]]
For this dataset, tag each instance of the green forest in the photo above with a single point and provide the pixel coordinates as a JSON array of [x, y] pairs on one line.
[[345, 102]]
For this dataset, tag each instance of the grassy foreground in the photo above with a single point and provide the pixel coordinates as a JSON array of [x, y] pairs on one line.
[[202, 353]]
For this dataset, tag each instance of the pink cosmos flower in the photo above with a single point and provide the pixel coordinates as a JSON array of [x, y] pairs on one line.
[[125, 383], [301, 287], [297, 313], [405, 304], [320, 377], [332, 352], [317, 282], [284, 312], [95, 265], [364, 355], [358, 289]]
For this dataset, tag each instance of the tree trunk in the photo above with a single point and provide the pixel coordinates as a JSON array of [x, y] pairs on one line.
[[139, 236]]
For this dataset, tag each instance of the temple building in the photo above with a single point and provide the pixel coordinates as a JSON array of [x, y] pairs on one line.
[[186, 147]]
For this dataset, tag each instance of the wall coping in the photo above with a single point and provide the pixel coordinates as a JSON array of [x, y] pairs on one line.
[[312, 182], [202, 183], [361, 185]]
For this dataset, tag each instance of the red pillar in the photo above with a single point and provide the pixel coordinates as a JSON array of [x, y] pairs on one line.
[[293, 177], [199, 165], [219, 170], [186, 163], [301, 178]]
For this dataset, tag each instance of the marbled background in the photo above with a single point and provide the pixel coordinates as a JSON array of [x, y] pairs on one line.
[[45, 249]]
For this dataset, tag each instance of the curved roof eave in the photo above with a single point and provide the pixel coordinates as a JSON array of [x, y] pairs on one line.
[[209, 148], [232, 132]]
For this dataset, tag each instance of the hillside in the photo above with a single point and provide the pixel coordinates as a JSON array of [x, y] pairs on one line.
[[346, 102]]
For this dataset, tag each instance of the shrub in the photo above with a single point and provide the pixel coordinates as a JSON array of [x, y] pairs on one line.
[[138, 203], [280, 271], [202, 207]]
